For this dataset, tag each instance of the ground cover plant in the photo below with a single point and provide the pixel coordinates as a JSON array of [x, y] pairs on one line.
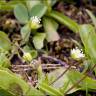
[[47, 48]]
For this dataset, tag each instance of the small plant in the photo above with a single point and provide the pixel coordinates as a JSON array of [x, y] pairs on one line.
[[31, 24], [31, 19], [39, 22]]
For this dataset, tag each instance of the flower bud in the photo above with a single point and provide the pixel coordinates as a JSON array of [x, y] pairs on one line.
[[27, 56]]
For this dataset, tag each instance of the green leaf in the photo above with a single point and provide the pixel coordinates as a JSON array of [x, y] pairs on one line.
[[50, 28], [48, 4], [50, 90], [69, 79], [88, 37], [88, 82], [55, 24], [31, 51], [62, 83], [4, 61], [38, 40], [40, 10], [21, 13], [31, 3], [5, 43], [72, 25], [15, 85], [7, 6], [92, 17], [5, 93], [25, 33]]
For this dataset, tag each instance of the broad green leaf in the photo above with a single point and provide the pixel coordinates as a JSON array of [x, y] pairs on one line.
[[92, 17], [5, 43], [88, 82], [62, 83], [38, 40], [50, 90], [31, 3], [72, 25], [50, 28], [5, 93], [70, 78], [88, 37], [15, 85], [21, 13], [34, 92], [40, 10], [25, 33], [4, 61]]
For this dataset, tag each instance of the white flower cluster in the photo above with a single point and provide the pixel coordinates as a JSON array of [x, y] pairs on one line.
[[77, 53], [35, 19]]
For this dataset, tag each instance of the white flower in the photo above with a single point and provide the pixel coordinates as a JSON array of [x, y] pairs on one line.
[[77, 53], [35, 19], [35, 22]]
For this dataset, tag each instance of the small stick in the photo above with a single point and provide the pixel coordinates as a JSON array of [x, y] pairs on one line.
[[60, 75], [56, 60]]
